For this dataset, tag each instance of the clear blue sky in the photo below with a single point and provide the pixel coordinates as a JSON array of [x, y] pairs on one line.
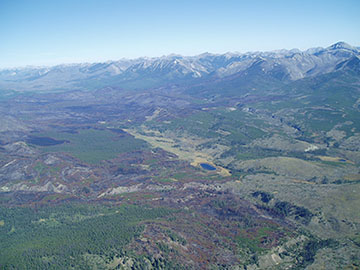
[[49, 32]]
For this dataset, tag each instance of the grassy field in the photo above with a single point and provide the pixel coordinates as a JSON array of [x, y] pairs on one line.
[[92, 146]]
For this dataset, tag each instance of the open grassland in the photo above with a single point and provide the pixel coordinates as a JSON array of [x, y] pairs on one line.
[[92, 145], [334, 159], [184, 147]]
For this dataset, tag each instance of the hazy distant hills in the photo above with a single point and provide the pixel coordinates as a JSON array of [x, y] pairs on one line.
[[141, 73]]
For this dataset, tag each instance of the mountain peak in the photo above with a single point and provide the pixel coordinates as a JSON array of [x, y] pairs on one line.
[[341, 45]]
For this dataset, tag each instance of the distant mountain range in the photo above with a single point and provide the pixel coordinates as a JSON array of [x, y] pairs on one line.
[[143, 73]]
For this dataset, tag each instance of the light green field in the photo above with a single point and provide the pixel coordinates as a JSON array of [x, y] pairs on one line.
[[92, 145]]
